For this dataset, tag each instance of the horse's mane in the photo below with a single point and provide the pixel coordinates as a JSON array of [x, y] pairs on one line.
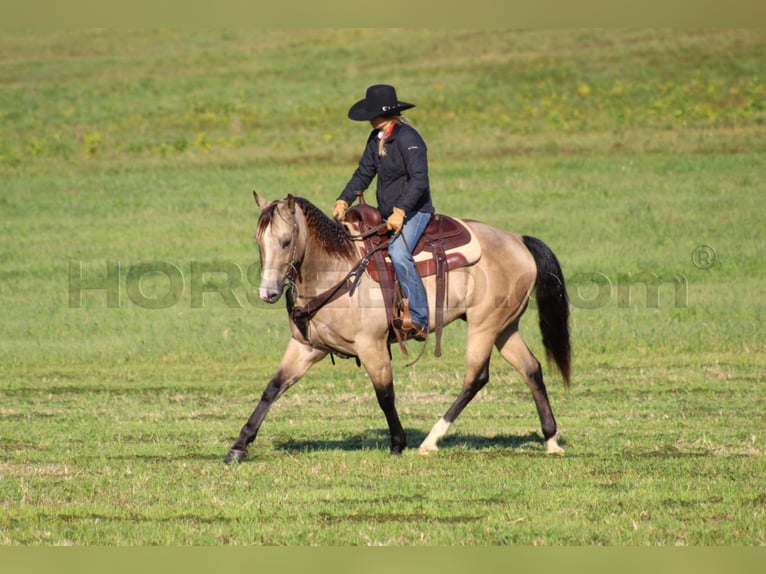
[[329, 233]]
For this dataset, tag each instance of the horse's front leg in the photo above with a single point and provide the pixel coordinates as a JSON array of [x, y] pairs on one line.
[[297, 360], [376, 361]]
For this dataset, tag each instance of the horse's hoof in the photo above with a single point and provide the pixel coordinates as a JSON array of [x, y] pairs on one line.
[[552, 447], [235, 455], [426, 450]]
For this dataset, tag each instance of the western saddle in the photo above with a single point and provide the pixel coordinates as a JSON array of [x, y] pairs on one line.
[[446, 244]]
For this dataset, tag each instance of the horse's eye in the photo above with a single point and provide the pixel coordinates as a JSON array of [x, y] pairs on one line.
[[285, 243]]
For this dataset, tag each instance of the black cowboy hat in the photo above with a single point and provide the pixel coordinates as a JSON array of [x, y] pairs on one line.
[[380, 100]]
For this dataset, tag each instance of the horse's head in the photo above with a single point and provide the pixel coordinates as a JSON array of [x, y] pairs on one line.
[[279, 245]]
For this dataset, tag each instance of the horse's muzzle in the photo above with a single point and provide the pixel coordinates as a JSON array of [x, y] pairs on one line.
[[269, 295]]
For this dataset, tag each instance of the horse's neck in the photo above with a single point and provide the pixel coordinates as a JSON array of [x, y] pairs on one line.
[[320, 270]]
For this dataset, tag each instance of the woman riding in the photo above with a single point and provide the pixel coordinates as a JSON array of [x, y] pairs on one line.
[[396, 153]]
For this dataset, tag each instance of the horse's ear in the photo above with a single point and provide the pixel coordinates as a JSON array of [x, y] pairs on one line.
[[291, 203], [262, 203]]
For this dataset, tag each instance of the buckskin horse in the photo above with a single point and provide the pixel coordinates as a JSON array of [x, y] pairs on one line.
[[319, 261]]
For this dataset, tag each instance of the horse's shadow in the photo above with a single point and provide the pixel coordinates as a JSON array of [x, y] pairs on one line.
[[380, 440]]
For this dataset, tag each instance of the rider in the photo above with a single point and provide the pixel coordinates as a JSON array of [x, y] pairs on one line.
[[396, 153]]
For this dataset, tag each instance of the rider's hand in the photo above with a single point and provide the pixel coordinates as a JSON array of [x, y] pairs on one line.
[[339, 211], [395, 221]]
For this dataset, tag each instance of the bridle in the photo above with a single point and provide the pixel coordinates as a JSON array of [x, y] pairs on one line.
[[293, 266], [301, 315]]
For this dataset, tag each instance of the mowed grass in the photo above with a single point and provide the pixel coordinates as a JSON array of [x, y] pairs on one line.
[[636, 155]]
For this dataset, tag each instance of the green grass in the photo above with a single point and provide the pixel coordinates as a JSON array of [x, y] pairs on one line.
[[625, 151]]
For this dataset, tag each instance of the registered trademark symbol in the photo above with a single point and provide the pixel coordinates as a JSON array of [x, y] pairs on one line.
[[704, 257]]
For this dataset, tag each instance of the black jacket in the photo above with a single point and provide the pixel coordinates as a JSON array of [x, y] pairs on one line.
[[402, 173]]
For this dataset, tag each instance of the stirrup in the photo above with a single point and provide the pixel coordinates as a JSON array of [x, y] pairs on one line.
[[404, 324], [404, 315]]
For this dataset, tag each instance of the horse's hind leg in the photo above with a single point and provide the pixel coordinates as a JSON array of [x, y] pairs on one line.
[[514, 350], [477, 375]]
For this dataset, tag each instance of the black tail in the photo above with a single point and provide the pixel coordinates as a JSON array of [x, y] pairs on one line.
[[552, 306]]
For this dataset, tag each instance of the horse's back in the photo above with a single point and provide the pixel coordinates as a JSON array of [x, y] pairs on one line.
[[506, 270], [503, 248]]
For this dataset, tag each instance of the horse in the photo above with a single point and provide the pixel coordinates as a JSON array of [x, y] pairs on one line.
[[312, 254]]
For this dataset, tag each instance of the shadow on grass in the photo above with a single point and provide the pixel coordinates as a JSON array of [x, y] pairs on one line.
[[370, 440], [169, 457], [531, 442]]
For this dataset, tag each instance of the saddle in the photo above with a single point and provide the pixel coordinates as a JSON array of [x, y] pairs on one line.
[[446, 244]]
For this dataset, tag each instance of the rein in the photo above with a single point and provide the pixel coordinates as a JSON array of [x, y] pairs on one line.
[[302, 315]]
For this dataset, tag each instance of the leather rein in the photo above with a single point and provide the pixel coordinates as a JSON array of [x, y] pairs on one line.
[[303, 314]]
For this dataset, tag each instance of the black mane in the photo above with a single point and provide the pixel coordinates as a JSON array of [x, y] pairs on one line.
[[329, 233]]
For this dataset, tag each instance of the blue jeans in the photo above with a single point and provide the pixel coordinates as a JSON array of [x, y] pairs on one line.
[[400, 251]]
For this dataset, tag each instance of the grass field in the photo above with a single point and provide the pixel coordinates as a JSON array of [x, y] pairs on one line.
[[638, 156]]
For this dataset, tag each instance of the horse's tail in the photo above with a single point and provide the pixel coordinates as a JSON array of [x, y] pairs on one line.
[[552, 306]]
